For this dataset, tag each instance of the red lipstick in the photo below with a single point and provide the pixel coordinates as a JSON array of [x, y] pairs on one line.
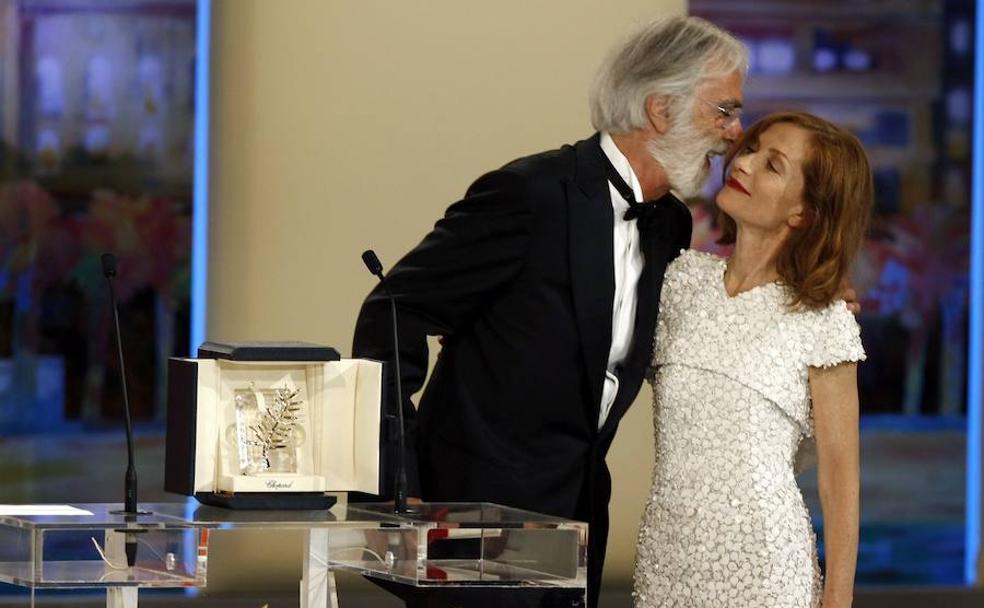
[[733, 183]]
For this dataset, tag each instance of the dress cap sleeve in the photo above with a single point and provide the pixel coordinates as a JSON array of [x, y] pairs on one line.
[[837, 337]]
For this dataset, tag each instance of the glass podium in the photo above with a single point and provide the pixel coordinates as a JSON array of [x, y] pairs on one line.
[[435, 545]]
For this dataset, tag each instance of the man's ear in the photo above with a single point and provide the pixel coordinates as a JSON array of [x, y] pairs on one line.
[[657, 111]]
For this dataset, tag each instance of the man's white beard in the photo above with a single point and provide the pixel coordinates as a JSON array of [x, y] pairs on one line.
[[683, 151]]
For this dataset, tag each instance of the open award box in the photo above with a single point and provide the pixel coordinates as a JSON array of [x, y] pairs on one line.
[[272, 425]]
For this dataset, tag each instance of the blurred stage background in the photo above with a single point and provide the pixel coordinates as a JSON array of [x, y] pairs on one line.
[[336, 127]]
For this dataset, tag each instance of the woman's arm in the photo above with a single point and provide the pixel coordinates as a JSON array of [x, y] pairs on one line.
[[835, 411]]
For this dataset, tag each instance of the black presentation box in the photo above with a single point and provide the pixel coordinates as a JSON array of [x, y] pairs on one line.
[[267, 351], [335, 440]]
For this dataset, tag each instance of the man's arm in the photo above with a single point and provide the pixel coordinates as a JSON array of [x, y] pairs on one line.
[[475, 250]]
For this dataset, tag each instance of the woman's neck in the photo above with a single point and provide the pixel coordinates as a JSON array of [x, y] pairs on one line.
[[753, 261]]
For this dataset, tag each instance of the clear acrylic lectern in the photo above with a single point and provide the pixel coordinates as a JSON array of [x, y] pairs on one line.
[[436, 545]]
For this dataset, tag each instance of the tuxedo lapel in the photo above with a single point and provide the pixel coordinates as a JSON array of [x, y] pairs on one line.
[[660, 237], [592, 264]]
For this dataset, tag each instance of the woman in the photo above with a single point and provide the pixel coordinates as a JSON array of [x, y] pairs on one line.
[[755, 365]]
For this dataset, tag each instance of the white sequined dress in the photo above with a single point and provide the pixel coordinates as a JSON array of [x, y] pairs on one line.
[[725, 524]]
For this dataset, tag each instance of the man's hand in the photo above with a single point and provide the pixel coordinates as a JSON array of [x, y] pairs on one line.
[[850, 296]]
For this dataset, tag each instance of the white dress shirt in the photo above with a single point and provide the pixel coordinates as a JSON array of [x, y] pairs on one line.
[[628, 267]]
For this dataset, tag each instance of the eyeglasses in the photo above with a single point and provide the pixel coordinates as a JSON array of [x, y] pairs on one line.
[[727, 114]]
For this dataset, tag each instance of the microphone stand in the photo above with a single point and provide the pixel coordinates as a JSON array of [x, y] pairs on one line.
[[130, 510], [400, 490]]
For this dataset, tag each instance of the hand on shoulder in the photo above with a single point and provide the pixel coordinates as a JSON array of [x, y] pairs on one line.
[[850, 296]]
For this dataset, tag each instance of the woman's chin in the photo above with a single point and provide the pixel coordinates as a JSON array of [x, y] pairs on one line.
[[724, 200]]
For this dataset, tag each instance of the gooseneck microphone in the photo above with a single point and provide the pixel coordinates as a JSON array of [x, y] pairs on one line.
[[400, 491], [130, 481]]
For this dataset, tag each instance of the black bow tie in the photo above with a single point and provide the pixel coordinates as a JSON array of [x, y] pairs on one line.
[[637, 210]]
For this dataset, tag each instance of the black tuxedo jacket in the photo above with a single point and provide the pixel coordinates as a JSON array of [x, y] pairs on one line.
[[518, 279]]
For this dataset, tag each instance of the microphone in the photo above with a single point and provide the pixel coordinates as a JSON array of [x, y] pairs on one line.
[[400, 491], [130, 480], [372, 263]]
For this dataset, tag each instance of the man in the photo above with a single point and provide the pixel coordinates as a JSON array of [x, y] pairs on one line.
[[544, 280]]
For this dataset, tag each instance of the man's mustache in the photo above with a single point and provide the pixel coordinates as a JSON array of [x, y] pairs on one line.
[[720, 150]]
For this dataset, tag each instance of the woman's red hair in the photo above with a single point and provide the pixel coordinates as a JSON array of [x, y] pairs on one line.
[[838, 192]]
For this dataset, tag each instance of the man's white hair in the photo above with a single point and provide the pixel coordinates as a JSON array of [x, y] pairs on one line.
[[670, 57]]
